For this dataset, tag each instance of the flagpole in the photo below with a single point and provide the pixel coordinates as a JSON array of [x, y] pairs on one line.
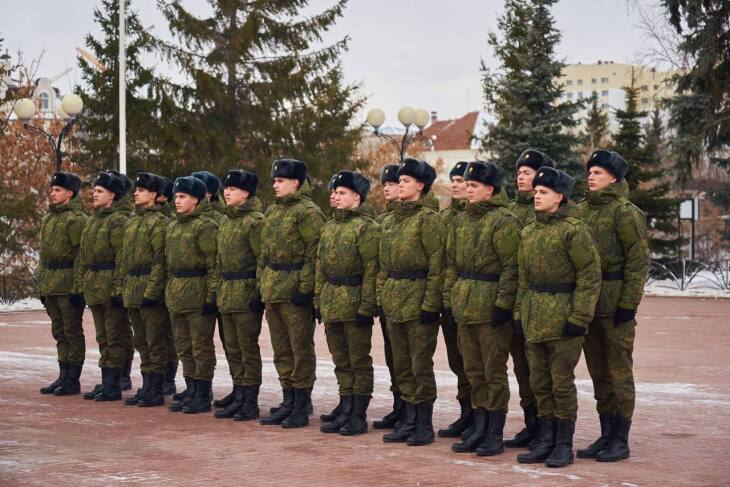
[[122, 88]]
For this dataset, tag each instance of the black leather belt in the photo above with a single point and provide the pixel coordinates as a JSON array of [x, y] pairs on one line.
[[54, 266], [189, 273], [279, 266], [479, 276], [238, 276], [345, 280], [139, 271], [613, 276], [552, 287], [413, 275], [102, 266]]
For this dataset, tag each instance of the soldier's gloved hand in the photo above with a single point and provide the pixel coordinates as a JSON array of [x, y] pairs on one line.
[[210, 309], [148, 303], [256, 305], [77, 300], [42, 300], [623, 315], [318, 315], [116, 302], [448, 316], [363, 320], [301, 299], [500, 315], [429, 316], [571, 330], [517, 329]]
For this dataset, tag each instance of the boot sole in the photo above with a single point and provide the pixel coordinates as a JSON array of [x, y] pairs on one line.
[[150, 405], [353, 433], [558, 465], [419, 443], [190, 411], [617, 459], [489, 453], [448, 434]]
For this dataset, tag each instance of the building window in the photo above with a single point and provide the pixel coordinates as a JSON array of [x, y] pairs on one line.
[[569, 82], [604, 93], [644, 88], [604, 81], [594, 93], [594, 81], [44, 101], [644, 101], [580, 94], [569, 95], [580, 82], [604, 106], [656, 87]]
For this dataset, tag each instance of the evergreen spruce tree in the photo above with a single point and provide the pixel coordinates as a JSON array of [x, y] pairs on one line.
[[596, 132], [524, 92]]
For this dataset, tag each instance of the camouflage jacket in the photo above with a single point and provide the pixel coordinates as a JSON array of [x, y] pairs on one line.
[[168, 208], [619, 230], [60, 239], [100, 274], [144, 256], [348, 247], [389, 206], [190, 247], [214, 211], [556, 248], [290, 234], [455, 208], [414, 239], [523, 207], [484, 240], [239, 247]]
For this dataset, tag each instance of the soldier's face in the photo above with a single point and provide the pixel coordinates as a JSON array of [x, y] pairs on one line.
[[409, 188], [144, 198], [476, 191], [458, 187], [525, 174], [185, 203], [102, 197], [346, 199], [547, 200], [390, 191], [235, 196], [599, 178], [60, 195], [285, 187], [333, 198]]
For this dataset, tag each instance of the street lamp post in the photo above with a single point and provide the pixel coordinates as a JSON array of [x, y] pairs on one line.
[[71, 106], [406, 116]]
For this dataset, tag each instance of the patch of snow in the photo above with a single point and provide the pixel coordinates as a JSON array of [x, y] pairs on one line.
[[536, 473], [31, 304]]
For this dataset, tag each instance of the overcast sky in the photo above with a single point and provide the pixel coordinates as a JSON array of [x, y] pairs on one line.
[[423, 53]]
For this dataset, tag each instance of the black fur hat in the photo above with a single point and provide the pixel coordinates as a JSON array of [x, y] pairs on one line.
[[67, 180], [534, 159], [192, 186], [557, 180], [419, 170], [124, 178], [610, 161], [458, 169], [212, 183], [168, 191], [242, 179], [289, 169], [354, 181], [149, 181], [112, 183], [331, 184], [389, 174], [486, 173]]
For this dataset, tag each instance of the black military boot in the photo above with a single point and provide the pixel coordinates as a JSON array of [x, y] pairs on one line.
[[232, 408], [283, 411], [618, 448], [493, 442], [112, 390], [457, 427], [562, 455], [392, 417], [126, 381], [545, 443], [250, 408], [334, 425], [89, 396], [602, 442], [299, 416], [523, 438], [200, 402], [424, 425], [227, 400], [177, 406], [154, 395], [133, 400], [329, 417], [168, 385], [479, 430], [183, 394], [71, 384], [404, 427], [62, 371], [357, 423]]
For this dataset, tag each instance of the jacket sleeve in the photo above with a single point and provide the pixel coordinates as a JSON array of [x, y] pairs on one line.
[[116, 237], [208, 244], [310, 227], [506, 243], [632, 234], [76, 230], [521, 278], [158, 273], [451, 274], [318, 274], [433, 239], [369, 247], [584, 256], [254, 241]]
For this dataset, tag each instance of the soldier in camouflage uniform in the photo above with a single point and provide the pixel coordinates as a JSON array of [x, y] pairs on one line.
[[165, 198], [619, 230], [410, 283], [523, 208], [479, 292], [448, 325], [559, 282], [389, 180], [239, 299], [291, 231], [344, 299], [190, 251], [99, 277], [60, 238]]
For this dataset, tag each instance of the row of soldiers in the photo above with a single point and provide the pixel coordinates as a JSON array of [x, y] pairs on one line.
[[538, 278]]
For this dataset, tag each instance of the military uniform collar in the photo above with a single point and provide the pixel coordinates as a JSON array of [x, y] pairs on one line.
[[545, 217], [604, 196], [524, 197]]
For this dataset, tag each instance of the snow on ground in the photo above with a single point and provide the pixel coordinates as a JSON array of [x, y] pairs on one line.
[[30, 304]]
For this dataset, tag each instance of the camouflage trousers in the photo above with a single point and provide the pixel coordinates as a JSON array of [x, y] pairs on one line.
[[67, 329], [241, 332], [414, 344], [112, 334], [522, 371], [292, 337], [609, 355], [552, 376], [153, 338], [388, 352], [455, 359], [485, 349], [193, 333], [350, 345]]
